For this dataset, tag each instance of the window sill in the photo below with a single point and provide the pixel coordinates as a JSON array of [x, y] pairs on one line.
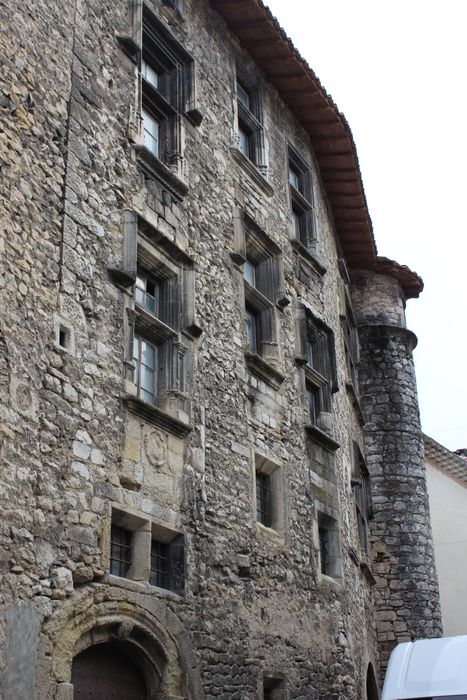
[[132, 585], [322, 438], [268, 533], [263, 370], [310, 258], [336, 583], [175, 425], [129, 46], [156, 169], [250, 168], [355, 402]]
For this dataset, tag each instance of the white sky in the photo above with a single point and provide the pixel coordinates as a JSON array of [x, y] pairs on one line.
[[398, 71]]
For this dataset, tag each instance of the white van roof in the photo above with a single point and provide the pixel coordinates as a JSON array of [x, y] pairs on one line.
[[427, 668]]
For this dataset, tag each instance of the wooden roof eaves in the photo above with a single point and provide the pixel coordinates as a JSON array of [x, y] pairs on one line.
[[238, 12]]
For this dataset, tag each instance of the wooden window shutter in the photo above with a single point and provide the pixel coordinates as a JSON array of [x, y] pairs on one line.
[[188, 81], [189, 320], [301, 336], [170, 303], [307, 185], [267, 321], [130, 245], [238, 253], [267, 278], [308, 222]]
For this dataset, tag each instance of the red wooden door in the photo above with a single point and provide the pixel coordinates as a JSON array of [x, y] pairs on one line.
[[104, 672]]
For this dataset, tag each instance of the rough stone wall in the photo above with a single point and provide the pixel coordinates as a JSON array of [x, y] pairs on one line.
[[406, 593], [255, 602]]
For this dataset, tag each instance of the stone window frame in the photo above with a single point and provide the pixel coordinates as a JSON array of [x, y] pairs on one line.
[[264, 299], [64, 335], [249, 120], [149, 41], [361, 485], [145, 531], [274, 472], [349, 330], [327, 536], [301, 201], [172, 330], [315, 339]]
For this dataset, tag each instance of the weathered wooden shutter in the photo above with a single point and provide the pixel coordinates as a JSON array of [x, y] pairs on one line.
[[267, 278], [130, 245], [307, 221], [267, 321], [301, 336], [169, 303], [307, 185], [238, 253]]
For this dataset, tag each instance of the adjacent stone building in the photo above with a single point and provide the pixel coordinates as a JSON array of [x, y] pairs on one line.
[[207, 392]]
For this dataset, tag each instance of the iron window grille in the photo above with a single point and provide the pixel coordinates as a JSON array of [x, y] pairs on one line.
[[159, 564], [263, 499], [168, 564], [120, 551]]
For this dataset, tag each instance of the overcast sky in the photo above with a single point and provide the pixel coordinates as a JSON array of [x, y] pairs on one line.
[[397, 70]]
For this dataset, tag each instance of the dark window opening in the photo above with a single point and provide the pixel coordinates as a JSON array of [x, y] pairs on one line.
[[168, 564], [120, 551], [159, 564], [329, 546], [273, 689], [263, 499], [63, 337], [252, 329]]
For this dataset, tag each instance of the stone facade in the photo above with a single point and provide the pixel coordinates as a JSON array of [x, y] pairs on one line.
[[261, 609]]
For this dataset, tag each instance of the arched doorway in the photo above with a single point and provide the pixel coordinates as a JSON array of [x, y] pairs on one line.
[[107, 672], [371, 685]]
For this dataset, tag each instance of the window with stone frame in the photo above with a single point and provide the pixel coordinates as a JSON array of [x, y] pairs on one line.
[[316, 356], [261, 261], [349, 330], [362, 493], [330, 557], [166, 95], [167, 567], [303, 226], [142, 550], [249, 127], [269, 494], [159, 324]]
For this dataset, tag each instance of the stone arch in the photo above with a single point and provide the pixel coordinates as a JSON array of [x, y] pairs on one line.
[[372, 692], [140, 625]]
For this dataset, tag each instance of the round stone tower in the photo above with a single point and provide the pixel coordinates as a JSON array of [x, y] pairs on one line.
[[406, 592]]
